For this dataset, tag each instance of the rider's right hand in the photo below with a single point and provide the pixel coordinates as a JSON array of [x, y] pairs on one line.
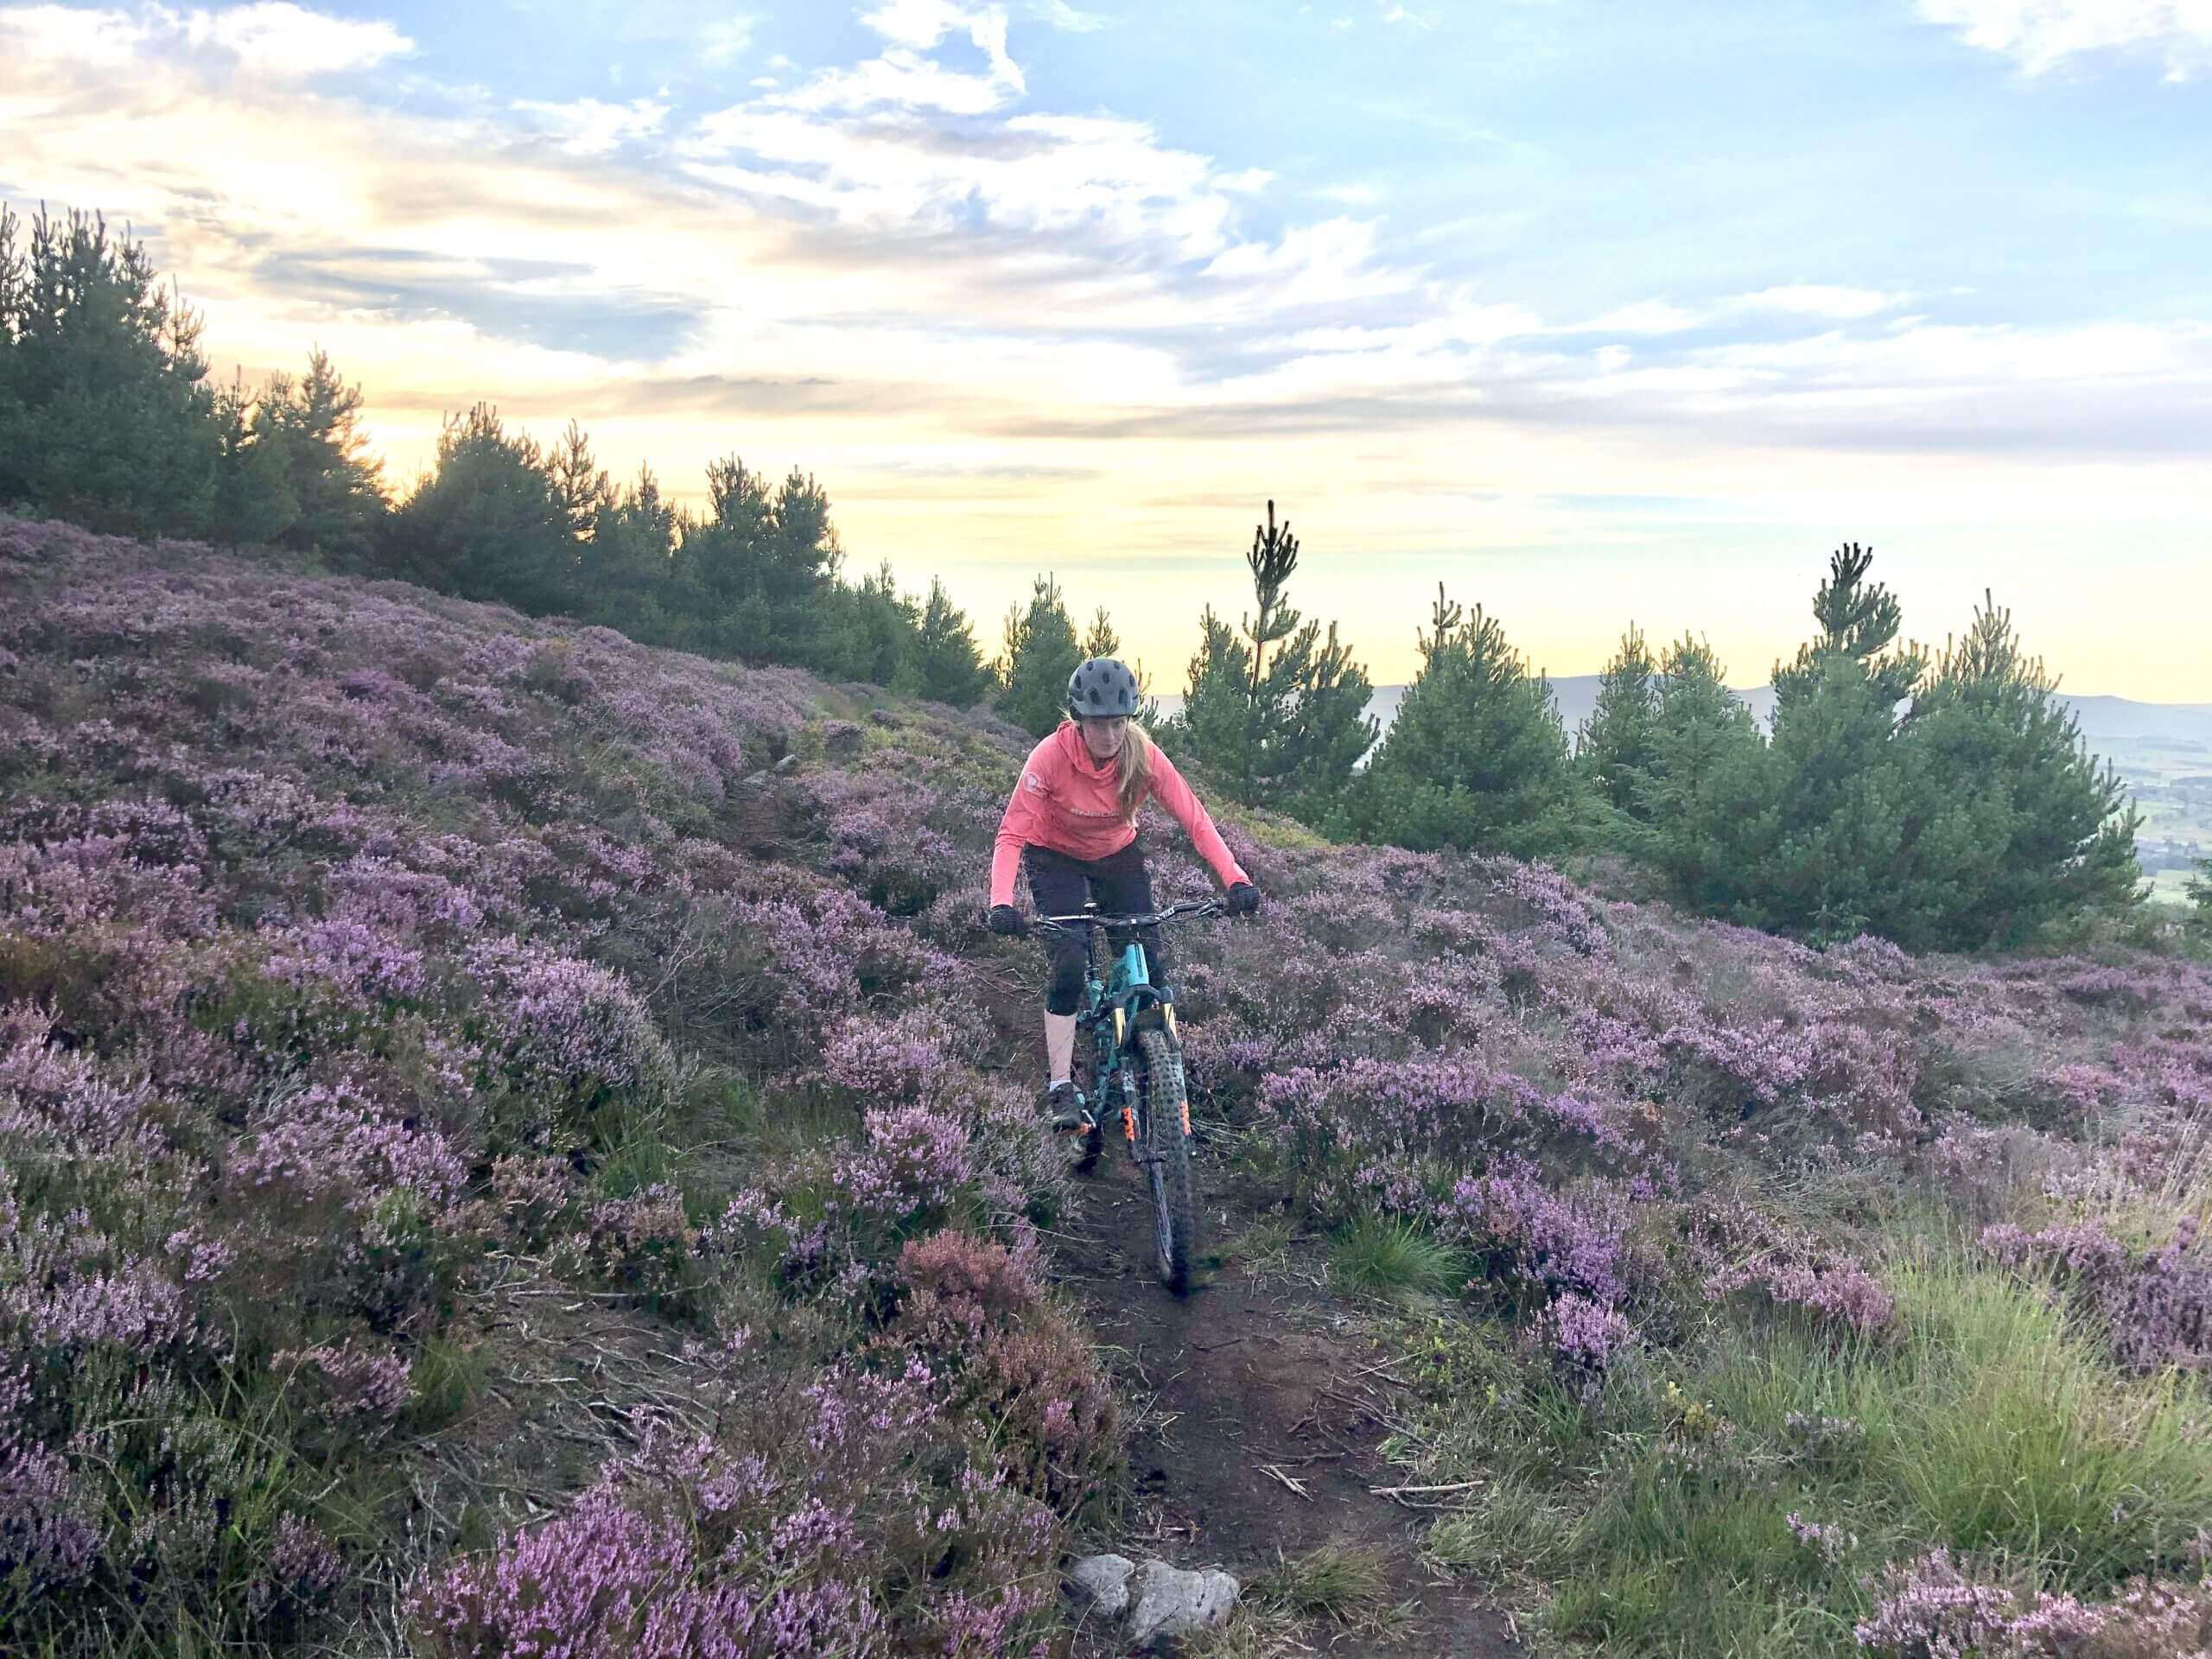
[[1006, 921]]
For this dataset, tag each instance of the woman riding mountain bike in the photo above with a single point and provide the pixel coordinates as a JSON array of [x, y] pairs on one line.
[[1072, 825]]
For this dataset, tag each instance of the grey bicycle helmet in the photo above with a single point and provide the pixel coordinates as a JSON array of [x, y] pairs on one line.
[[1102, 686]]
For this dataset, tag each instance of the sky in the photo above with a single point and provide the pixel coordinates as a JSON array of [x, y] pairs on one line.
[[1595, 313]]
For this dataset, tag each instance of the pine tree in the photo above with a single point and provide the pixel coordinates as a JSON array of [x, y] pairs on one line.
[[486, 524], [338, 485], [878, 629], [580, 484], [105, 418], [1829, 836], [1477, 757], [1039, 653], [254, 504], [1284, 729], [2014, 826], [1100, 639], [1701, 774], [946, 666], [628, 563], [1614, 745], [759, 575]]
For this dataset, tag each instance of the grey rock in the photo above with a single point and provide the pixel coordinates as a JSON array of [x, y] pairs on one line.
[[1171, 1602], [1103, 1580], [786, 766], [753, 779]]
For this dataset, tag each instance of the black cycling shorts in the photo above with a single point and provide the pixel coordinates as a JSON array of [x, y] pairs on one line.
[[1058, 886]]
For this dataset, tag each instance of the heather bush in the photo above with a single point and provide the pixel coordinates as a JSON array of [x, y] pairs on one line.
[[359, 955], [2155, 1304], [568, 1039], [902, 1500], [644, 1245], [1932, 1606]]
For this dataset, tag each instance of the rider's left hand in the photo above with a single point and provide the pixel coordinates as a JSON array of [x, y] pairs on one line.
[[1244, 899]]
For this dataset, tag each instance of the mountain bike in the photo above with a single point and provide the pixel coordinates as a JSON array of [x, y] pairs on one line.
[[1126, 1026]]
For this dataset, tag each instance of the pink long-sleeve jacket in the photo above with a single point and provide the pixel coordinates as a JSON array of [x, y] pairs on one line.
[[1070, 804]]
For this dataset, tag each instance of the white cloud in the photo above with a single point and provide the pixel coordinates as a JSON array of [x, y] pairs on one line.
[[920, 24], [1081, 185], [1398, 14], [64, 35], [1322, 263], [724, 40], [2040, 34], [1061, 15], [279, 39], [903, 77], [1643, 317], [1349, 196], [1817, 300], [1250, 182], [272, 38], [588, 127]]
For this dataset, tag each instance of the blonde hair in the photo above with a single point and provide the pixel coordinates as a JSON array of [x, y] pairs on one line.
[[1136, 768]]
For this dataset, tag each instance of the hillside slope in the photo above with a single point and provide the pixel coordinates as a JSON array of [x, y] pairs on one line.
[[510, 1139]]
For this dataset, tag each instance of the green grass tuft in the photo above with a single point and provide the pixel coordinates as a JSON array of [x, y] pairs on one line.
[[1990, 1422], [1347, 1582], [1376, 1257]]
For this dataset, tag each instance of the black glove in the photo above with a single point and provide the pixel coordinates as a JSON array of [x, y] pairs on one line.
[[1244, 899], [1007, 923]]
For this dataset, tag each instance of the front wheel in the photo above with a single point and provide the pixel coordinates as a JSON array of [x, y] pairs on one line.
[[1167, 1147]]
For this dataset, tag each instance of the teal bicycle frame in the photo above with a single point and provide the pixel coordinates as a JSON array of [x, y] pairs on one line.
[[1121, 1000], [1137, 1072]]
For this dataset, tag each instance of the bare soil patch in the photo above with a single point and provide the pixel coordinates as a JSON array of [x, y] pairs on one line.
[[1261, 1410]]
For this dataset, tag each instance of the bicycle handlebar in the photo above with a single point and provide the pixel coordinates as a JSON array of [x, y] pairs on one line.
[[1189, 911]]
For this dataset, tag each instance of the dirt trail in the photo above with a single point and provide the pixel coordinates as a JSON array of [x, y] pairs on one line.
[[1260, 1388]]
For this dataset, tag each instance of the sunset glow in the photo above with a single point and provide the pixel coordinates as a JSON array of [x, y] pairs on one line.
[[1591, 315]]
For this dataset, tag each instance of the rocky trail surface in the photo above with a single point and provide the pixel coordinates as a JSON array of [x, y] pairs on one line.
[[1259, 1413]]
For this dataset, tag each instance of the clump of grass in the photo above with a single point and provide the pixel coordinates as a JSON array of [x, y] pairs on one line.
[[1263, 1247], [1514, 1522], [638, 1157], [1378, 1257], [1348, 1582], [1252, 1632], [447, 1379], [1734, 1498]]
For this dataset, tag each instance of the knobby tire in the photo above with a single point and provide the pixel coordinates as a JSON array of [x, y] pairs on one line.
[[1175, 1232]]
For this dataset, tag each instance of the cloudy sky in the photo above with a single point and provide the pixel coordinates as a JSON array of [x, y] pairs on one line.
[[1592, 312]]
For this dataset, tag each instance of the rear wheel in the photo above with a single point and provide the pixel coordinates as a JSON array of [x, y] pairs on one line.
[[1167, 1144]]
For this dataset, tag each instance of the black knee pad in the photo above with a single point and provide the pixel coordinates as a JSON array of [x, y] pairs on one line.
[[1065, 994]]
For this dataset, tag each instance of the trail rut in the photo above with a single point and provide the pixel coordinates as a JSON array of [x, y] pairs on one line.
[[1269, 1408]]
